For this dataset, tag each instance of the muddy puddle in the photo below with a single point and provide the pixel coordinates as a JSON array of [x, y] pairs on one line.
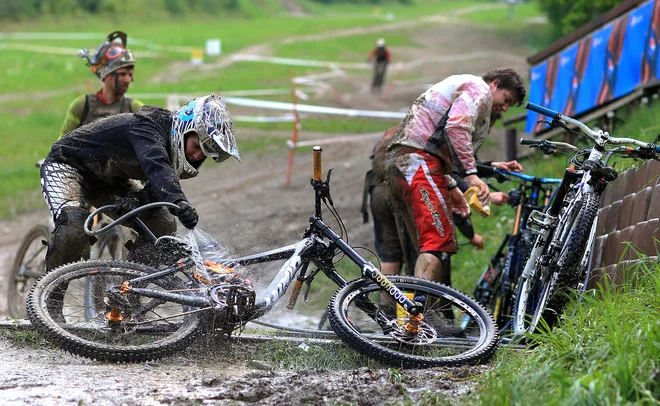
[[214, 372]]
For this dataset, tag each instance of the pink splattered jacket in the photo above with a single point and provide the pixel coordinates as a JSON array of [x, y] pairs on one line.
[[467, 125]]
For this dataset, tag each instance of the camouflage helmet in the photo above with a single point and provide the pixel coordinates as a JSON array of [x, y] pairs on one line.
[[111, 55]]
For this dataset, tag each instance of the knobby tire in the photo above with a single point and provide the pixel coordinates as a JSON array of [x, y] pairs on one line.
[[18, 284], [570, 258], [546, 298], [57, 310], [446, 311]]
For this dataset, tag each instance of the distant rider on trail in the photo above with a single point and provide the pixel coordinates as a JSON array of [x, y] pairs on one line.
[[381, 57]]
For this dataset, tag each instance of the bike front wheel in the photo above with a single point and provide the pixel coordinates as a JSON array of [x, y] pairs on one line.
[[29, 265], [145, 329], [543, 293], [456, 330]]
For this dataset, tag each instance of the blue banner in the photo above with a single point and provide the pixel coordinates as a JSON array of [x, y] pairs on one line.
[[605, 65]]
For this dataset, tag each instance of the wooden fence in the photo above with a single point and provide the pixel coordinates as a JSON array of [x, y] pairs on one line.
[[629, 213]]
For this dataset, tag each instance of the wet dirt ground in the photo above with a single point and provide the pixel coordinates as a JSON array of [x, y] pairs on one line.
[[41, 376], [246, 207]]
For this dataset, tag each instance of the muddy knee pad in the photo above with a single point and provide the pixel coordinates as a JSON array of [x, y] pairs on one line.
[[69, 240], [159, 221]]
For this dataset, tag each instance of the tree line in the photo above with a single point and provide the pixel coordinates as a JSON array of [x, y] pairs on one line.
[[32, 9], [564, 15]]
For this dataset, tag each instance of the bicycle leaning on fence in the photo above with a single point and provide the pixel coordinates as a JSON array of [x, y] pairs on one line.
[[565, 232], [496, 285], [145, 313]]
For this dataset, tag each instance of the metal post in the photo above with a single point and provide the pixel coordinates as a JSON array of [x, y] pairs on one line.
[[511, 140]]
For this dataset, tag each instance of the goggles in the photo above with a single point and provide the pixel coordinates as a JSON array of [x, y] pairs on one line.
[[212, 150], [118, 51]]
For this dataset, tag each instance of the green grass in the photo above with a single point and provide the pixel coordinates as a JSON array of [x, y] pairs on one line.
[[606, 352], [522, 14]]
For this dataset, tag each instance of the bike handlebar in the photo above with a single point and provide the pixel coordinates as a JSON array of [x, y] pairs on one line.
[[493, 171], [592, 134], [543, 110], [90, 219], [526, 177]]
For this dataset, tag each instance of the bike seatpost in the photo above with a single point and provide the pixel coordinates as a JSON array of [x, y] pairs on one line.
[[318, 169], [316, 180]]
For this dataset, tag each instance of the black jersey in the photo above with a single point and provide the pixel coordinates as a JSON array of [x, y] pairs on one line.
[[125, 146]]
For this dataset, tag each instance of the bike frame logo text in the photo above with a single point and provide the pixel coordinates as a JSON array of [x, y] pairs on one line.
[[382, 281]]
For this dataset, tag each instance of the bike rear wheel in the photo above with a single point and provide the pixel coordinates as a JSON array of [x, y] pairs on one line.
[[29, 265], [573, 256], [149, 328], [456, 330]]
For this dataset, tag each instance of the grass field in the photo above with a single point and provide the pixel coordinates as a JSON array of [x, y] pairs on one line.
[[38, 86]]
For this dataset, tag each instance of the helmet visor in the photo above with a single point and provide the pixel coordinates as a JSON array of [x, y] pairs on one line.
[[212, 150]]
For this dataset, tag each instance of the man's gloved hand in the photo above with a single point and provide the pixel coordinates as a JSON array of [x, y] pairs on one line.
[[187, 214]]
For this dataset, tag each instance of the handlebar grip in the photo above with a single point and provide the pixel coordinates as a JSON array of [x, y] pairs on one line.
[[485, 170], [542, 110], [318, 168], [526, 141]]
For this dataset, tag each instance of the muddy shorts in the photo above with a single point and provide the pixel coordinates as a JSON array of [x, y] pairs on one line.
[[386, 235], [419, 192]]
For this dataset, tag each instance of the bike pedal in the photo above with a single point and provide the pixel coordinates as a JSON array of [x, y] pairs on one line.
[[539, 221]]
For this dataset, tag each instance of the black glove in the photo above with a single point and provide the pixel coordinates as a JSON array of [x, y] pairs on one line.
[[187, 214]]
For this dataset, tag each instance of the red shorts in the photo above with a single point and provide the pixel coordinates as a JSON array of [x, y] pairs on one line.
[[417, 180]]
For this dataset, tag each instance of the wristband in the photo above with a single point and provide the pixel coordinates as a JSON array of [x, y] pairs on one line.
[[452, 184]]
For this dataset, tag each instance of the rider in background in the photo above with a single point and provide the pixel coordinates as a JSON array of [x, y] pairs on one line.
[[381, 57], [103, 163], [113, 63]]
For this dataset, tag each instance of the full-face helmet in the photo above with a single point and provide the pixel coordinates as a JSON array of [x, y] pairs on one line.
[[111, 55], [208, 117], [380, 43]]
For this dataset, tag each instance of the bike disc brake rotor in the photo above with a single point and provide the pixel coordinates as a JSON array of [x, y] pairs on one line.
[[425, 334]]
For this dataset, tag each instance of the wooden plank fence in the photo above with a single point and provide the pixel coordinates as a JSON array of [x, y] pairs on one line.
[[629, 213]]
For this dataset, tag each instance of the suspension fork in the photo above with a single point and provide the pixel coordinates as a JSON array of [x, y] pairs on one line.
[[369, 270]]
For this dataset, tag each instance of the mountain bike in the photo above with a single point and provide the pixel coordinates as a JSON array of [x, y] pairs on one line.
[[147, 313], [496, 285], [565, 232], [29, 263]]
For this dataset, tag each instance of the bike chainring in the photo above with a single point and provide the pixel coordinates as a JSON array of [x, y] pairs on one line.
[[235, 301]]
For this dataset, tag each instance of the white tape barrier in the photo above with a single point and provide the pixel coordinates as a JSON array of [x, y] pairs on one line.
[[264, 119], [53, 35], [485, 55], [174, 100], [334, 140], [44, 49], [86, 36], [300, 62]]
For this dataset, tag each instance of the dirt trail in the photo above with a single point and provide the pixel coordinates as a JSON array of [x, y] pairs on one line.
[[247, 209]]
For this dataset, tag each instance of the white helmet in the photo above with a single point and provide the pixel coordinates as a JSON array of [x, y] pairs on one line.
[[209, 118], [380, 42]]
